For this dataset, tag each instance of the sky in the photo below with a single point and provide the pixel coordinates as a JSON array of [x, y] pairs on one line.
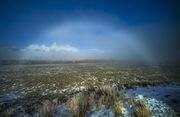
[[125, 30]]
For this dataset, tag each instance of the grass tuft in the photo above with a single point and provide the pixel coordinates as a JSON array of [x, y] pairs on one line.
[[99, 104], [118, 108], [74, 105], [131, 102], [47, 109], [142, 109]]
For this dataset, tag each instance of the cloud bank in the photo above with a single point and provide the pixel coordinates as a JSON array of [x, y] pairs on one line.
[[53, 51], [53, 47]]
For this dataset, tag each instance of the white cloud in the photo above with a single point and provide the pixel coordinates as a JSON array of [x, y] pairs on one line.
[[59, 52], [53, 47]]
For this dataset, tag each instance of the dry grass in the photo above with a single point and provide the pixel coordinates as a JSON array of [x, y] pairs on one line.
[[91, 101], [80, 104], [108, 101], [131, 102], [141, 103], [84, 106], [109, 95], [47, 109], [74, 105], [142, 109], [99, 104], [142, 112], [55, 102], [106, 90], [118, 108]]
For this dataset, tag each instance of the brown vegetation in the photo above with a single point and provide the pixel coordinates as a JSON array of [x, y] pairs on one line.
[[118, 108], [142, 109]]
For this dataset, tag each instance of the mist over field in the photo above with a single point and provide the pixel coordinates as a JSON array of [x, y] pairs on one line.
[[89, 58]]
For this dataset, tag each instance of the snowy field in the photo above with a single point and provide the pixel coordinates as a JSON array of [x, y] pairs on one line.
[[160, 100], [28, 84]]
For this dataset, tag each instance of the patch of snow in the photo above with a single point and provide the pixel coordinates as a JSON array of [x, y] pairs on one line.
[[158, 108], [55, 91], [62, 111], [140, 97], [159, 93], [8, 97]]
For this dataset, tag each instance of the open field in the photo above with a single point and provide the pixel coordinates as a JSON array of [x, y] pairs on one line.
[[26, 84]]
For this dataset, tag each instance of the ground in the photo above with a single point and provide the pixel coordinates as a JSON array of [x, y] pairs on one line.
[[21, 84]]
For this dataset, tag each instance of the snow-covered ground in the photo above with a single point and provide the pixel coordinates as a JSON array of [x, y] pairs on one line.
[[8, 97], [163, 101], [157, 98], [168, 94], [158, 109]]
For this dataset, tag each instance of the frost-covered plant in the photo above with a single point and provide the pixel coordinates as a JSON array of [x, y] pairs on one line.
[[118, 108]]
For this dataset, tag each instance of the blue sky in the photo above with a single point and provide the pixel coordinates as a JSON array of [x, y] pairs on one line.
[[132, 30]]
